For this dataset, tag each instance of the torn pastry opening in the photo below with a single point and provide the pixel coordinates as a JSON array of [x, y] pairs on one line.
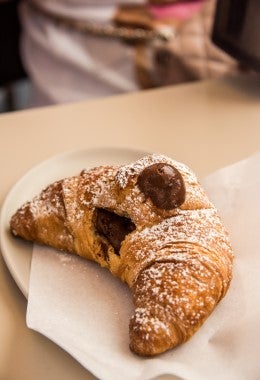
[[113, 227]]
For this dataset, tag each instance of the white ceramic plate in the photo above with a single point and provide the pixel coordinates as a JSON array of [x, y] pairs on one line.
[[18, 253]]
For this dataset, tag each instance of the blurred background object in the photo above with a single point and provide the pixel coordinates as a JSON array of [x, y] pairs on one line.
[[64, 51], [236, 30], [14, 85], [77, 50]]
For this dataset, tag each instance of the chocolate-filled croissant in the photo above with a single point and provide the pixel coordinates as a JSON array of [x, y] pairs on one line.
[[151, 224]]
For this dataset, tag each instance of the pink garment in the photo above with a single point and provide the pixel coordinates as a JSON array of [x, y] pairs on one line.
[[180, 11]]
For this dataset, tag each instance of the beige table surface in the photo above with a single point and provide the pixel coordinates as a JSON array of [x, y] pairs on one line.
[[207, 125]]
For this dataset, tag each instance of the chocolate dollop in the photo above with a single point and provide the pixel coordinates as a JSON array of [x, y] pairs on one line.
[[163, 184], [113, 227]]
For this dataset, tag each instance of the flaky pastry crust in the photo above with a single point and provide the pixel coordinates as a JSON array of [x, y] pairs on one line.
[[177, 262]]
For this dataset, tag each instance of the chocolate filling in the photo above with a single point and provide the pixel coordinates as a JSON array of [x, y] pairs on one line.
[[113, 227], [163, 184]]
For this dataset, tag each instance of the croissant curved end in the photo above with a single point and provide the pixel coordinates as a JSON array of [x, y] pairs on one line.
[[172, 300], [150, 336]]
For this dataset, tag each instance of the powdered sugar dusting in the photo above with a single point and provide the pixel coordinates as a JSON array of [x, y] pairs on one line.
[[173, 299], [196, 234]]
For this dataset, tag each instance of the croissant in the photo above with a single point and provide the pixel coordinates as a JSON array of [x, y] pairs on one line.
[[152, 225]]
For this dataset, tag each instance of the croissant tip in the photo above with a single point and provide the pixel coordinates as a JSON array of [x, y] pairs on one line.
[[148, 347], [151, 339]]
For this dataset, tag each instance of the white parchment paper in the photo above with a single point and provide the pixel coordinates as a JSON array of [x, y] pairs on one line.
[[86, 311]]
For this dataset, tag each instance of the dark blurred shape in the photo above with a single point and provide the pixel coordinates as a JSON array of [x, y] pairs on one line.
[[11, 67], [236, 30]]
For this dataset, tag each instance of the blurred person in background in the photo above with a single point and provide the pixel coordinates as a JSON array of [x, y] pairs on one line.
[[84, 49]]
